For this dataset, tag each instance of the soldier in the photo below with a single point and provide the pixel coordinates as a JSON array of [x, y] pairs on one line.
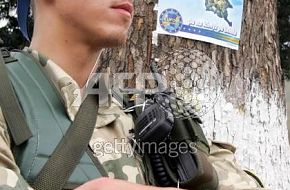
[[67, 40]]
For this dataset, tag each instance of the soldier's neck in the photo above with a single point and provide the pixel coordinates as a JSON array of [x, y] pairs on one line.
[[77, 59]]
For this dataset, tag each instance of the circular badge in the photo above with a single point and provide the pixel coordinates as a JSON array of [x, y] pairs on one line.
[[171, 20]]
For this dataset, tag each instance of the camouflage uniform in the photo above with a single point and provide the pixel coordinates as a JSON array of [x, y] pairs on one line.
[[111, 129]]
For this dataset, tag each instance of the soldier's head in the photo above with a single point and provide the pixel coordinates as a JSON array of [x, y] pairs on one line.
[[95, 22]]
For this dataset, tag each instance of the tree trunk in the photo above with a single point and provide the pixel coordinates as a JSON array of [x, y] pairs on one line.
[[238, 94]]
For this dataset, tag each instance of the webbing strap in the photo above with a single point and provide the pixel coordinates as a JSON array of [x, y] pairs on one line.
[[11, 109], [196, 129], [190, 131], [71, 148]]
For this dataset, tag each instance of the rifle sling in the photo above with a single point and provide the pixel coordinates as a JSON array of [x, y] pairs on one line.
[[69, 151]]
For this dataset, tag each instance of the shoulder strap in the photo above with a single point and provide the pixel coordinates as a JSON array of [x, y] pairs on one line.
[[70, 149], [11, 109]]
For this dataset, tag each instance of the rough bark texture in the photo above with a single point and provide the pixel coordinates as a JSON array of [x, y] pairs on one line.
[[287, 90], [244, 90]]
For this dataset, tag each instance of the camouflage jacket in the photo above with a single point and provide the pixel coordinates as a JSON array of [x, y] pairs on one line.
[[110, 141]]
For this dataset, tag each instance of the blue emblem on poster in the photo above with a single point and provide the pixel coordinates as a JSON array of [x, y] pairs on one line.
[[214, 21], [171, 20]]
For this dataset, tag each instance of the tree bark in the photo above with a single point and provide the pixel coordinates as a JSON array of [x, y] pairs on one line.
[[243, 90]]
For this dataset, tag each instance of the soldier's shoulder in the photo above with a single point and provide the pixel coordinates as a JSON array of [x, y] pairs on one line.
[[10, 179], [231, 174], [217, 145]]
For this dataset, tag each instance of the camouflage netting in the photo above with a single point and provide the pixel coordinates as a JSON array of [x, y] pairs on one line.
[[193, 76]]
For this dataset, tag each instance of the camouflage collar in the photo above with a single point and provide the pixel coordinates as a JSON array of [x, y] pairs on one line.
[[68, 88]]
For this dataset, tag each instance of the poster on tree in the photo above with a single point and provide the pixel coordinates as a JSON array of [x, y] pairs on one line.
[[214, 21]]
